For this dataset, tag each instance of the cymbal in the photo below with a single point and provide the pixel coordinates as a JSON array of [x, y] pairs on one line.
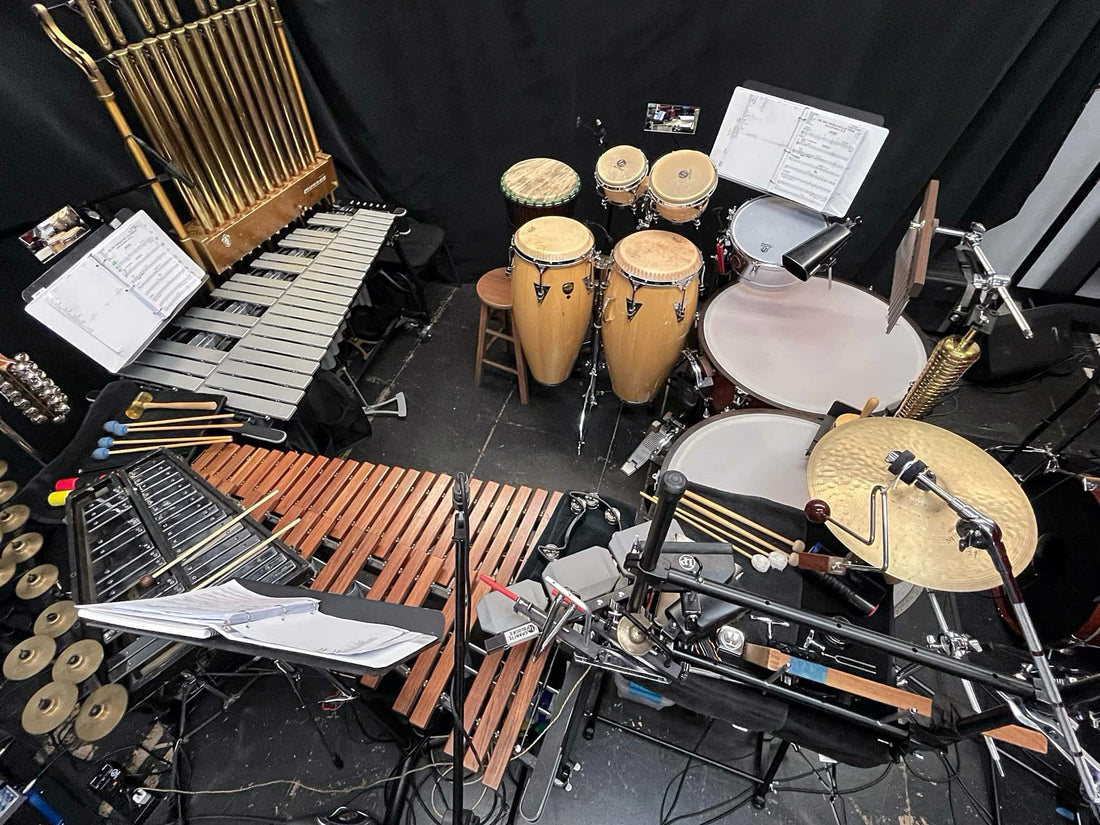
[[36, 581], [3, 468], [23, 547], [924, 547], [78, 661], [7, 571], [8, 489], [29, 657], [14, 517], [101, 712], [50, 705], [56, 619]]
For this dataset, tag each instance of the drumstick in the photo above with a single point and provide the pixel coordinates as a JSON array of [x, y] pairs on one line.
[[712, 530], [729, 525], [718, 508], [241, 559], [868, 408]]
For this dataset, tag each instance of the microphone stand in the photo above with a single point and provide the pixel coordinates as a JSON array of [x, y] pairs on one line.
[[460, 498]]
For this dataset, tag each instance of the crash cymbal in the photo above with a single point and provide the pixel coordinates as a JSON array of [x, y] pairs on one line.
[[78, 661], [36, 581], [49, 707], [22, 548], [14, 517], [924, 547], [56, 619], [29, 657], [8, 489], [101, 712]]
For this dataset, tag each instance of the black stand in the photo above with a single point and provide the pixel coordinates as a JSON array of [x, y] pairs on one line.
[[460, 496], [295, 678], [1049, 420]]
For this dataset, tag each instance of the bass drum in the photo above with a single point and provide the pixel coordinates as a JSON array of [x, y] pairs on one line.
[[1062, 583]]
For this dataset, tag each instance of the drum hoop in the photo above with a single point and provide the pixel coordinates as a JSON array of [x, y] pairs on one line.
[[701, 326], [587, 256], [701, 201], [522, 201], [679, 283], [741, 249], [622, 187]]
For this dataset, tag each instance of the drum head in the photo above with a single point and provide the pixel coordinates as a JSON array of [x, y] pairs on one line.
[[683, 176], [766, 228], [540, 182], [805, 347], [748, 452], [553, 239], [622, 166], [656, 256]]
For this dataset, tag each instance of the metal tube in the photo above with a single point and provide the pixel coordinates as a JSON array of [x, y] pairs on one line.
[[271, 65], [159, 14], [274, 17], [143, 16], [94, 24]]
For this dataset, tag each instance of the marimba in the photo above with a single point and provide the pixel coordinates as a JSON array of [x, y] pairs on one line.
[[396, 523]]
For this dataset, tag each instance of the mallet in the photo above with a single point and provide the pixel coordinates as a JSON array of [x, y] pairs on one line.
[[115, 428], [144, 401], [144, 425], [107, 441], [102, 453]]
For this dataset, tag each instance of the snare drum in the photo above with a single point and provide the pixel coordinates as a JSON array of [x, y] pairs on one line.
[[805, 347], [648, 310], [539, 186], [622, 175], [764, 229], [748, 452], [551, 266], [680, 185]]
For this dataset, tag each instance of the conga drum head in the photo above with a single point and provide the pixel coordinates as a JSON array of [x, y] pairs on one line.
[[682, 177], [553, 239], [764, 229], [621, 172], [748, 452], [654, 256], [539, 186], [805, 347]]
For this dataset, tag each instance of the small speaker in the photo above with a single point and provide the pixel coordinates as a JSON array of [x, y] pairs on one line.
[[1007, 354]]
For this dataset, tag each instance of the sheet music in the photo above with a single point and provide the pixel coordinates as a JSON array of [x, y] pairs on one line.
[[114, 301], [810, 156]]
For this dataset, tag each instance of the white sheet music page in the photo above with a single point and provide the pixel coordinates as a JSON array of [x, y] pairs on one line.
[[810, 156], [113, 301]]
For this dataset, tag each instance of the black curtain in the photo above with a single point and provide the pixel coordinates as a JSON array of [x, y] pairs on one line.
[[425, 104]]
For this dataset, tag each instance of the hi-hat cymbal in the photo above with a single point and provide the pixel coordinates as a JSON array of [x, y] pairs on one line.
[[49, 707], [29, 657], [14, 517], [924, 547], [78, 661], [56, 619], [101, 712], [8, 489], [22, 548], [36, 581]]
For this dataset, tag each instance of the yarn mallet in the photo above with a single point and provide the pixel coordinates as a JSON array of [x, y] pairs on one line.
[[118, 428], [102, 453]]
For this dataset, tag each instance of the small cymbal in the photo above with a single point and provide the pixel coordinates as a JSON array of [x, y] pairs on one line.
[[8, 489], [36, 581], [29, 657], [50, 705], [3, 468], [14, 517], [924, 547], [7, 571], [23, 547], [631, 638], [56, 619], [101, 712], [78, 661]]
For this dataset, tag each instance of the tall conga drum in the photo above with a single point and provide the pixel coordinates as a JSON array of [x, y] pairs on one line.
[[648, 310], [552, 282], [537, 187], [680, 185]]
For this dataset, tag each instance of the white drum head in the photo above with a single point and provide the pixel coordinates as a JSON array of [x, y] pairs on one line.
[[752, 453], [805, 347], [765, 229]]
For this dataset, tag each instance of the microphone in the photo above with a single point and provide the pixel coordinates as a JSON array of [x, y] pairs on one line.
[[460, 492]]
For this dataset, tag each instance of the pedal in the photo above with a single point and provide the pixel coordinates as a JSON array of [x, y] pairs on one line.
[[661, 434], [391, 406]]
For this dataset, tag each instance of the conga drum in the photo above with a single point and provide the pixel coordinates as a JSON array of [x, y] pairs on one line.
[[680, 185], [622, 175], [648, 310], [537, 187], [551, 266]]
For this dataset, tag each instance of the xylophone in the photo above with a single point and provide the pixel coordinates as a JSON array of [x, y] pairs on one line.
[[396, 523]]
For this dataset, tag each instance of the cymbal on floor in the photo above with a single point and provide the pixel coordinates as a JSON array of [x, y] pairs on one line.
[[924, 547], [36, 581], [78, 661], [8, 489], [14, 517], [101, 712], [7, 571], [56, 619], [22, 548], [29, 657], [50, 705]]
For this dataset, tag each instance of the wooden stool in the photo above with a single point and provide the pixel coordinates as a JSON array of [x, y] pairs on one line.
[[494, 288]]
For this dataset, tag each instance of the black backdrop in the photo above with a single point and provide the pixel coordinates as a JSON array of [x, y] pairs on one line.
[[425, 104]]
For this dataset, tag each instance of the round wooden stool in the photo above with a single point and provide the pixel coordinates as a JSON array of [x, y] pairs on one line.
[[494, 289]]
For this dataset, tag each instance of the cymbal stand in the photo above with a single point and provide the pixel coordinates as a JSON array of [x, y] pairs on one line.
[[979, 531], [601, 273]]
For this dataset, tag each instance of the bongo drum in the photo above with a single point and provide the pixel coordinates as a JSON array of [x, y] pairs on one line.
[[622, 175], [680, 185], [551, 268], [762, 231], [648, 310], [537, 187]]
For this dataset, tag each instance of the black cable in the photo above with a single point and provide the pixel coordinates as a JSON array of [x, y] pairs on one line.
[[683, 775], [233, 818], [737, 805], [978, 806], [856, 789]]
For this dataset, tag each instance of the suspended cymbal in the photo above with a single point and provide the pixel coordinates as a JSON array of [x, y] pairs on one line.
[[49, 707], [14, 517], [924, 547], [56, 619], [101, 712], [22, 548], [29, 657], [36, 581], [8, 489], [78, 661]]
